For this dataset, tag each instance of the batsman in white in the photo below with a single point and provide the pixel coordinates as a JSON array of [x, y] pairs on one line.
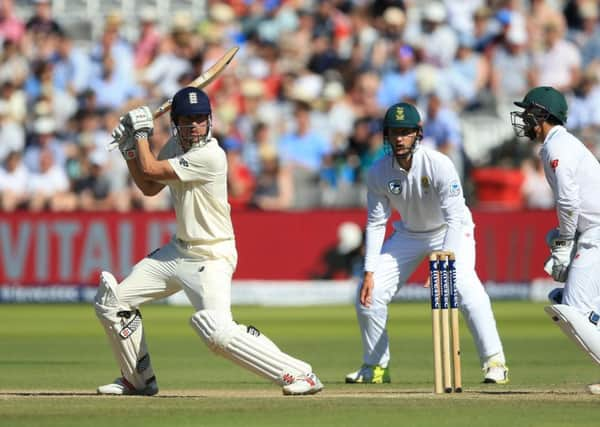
[[423, 186], [574, 176], [200, 258]]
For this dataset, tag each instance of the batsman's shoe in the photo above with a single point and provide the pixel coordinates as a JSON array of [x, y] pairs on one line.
[[121, 387], [594, 388], [369, 374], [495, 373], [303, 384]]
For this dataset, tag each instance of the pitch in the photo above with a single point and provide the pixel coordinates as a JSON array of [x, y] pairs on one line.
[[52, 358]]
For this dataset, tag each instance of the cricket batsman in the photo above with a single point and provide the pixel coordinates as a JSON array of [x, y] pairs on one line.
[[200, 258], [423, 186], [573, 173]]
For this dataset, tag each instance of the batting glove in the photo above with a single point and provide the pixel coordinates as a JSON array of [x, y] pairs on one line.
[[141, 121], [123, 135]]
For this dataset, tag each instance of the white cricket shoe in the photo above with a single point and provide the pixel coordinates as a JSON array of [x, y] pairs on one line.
[[121, 387], [495, 373], [594, 388], [303, 384]]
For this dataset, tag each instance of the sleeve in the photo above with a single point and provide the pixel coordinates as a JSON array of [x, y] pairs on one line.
[[378, 212], [566, 190], [452, 202], [202, 165]]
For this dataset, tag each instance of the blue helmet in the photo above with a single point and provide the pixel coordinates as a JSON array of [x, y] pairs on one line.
[[189, 100]]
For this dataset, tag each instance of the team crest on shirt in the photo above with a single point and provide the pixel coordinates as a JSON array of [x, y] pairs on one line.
[[425, 183], [395, 186], [554, 164], [454, 189], [183, 162]]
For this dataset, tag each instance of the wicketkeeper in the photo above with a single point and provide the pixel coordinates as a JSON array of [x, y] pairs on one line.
[[200, 259], [423, 186], [574, 176]]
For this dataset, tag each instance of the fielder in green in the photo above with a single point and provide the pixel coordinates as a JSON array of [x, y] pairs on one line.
[[422, 184], [573, 173]]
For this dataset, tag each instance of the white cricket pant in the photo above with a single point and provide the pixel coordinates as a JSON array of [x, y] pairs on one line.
[[582, 289], [206, 282], [400, 256]]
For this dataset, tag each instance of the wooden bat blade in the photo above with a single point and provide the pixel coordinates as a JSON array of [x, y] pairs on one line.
[[203, 79]]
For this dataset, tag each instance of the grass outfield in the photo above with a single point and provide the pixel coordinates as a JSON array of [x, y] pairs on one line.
[[53, 356]]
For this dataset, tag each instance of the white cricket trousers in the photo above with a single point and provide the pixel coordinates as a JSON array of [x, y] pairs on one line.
[[582, 289], [206, 282], [400, 256]]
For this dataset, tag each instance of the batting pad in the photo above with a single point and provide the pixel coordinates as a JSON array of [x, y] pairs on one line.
[[125, 333], [578, 327], [247, 347]]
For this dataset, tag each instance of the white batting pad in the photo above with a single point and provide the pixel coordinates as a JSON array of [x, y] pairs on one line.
[[578, 327], [247, 347], [125, 333]]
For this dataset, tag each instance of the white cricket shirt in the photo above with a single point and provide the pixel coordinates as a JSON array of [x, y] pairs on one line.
[[429, 198], [574, 176], [200, 198]]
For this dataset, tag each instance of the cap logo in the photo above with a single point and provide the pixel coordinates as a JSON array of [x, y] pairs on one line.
[[193, 98], [399, 113]]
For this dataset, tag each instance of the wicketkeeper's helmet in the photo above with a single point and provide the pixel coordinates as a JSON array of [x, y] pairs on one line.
[[548, 99]]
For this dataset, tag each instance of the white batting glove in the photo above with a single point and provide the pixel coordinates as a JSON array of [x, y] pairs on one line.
[[122, 135], [562, 253], [141, 121]]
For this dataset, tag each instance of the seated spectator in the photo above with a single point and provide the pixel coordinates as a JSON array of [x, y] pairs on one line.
[[442, 130], [11, 26], [274, 187], [72, 67], [44, 138], [42, 24], [559, 62], [401, 82], [49, 186], [14, 180], [240, 181], [111, 88], [12, 135], [93, 188], [584, 107], [148, 41]]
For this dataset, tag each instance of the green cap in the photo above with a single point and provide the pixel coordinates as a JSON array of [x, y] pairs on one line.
[[548, 99], [402, 115]]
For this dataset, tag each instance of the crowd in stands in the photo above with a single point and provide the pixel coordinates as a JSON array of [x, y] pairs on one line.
[[299, 109]]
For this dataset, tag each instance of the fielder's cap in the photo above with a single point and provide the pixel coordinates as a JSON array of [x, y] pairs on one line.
[[349, 237], [402, 115]]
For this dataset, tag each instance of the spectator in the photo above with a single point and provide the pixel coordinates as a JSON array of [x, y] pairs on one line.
[[399, 83], [442, 130], [49, 186], [14, 66], [438, 41], [12, 135], [93, 188], [148, 42], [588, 38], [274, 185], [112, 90], [44, 139], [161, 76], [72, 67], [11, 27], [559, 61], [584, 108], [14, 181], [42, 24], [240, 181]]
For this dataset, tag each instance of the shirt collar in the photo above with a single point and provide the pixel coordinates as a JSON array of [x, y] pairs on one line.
[[553, 132]]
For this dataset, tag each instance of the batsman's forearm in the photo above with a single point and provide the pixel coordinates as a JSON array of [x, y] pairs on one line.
[[149, 188]]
